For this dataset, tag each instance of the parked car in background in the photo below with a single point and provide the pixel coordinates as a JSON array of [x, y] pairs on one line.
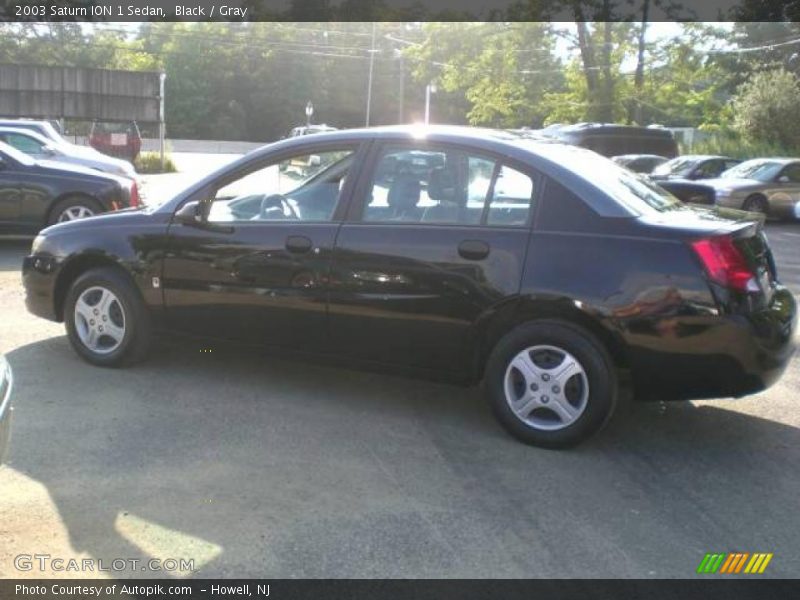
[[640, 163], [543, 270], [765, 185], [43, 128], [6, 385], [309, 129], [35, 194], [616, 140], [122, 140], [694, 166], [692, 192], [40, 148]]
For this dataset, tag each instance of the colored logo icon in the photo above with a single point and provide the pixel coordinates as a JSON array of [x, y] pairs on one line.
[[734, 562]]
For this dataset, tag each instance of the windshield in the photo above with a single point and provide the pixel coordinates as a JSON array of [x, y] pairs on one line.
[[761, 170], [675, 166], [16, 155]]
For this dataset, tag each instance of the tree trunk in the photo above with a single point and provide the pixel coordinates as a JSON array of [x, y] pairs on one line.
[[638, 81]]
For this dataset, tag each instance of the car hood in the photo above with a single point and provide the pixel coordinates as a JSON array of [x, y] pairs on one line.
[[733, 184], [126, 217], [64, 169], [86, 153]]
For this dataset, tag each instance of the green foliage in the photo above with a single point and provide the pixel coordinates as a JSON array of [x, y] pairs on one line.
[[736, 146], [150, 162], [766, 108]]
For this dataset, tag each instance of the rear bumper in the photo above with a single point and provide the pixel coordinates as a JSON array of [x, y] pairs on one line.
[[39, 274], [718, 357], [6, 385]]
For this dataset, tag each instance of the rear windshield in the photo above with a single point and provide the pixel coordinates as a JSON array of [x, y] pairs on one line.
[[630, 189], [675, 166]]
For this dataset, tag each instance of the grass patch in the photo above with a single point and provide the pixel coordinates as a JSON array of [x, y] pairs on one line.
[[150, 162]]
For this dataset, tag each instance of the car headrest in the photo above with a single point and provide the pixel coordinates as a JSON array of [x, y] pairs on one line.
[[404, 192], [442, 184]]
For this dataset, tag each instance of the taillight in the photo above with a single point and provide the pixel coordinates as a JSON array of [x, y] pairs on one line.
[[725, 264], [135, 195]]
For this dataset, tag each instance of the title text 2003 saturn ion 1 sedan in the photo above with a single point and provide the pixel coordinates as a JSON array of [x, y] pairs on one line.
[[545, 271]]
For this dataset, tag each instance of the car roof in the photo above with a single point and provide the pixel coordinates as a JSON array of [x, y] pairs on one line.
[[549, 157]]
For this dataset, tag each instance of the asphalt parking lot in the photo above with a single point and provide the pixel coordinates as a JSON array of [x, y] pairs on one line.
[[258, 467]]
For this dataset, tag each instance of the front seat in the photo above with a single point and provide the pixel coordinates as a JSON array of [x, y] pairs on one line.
[[442, 188], [403, 197]]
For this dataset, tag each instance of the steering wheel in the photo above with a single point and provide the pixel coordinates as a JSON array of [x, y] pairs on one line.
[[276, 206]]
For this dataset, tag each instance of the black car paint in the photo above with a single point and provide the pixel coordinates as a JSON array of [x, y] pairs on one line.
[[28, 192], [401, 293]]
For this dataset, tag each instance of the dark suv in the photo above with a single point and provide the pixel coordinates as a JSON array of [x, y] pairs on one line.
[[544, 271]]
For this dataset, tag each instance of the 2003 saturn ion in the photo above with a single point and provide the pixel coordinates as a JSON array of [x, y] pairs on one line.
[[544, 271]]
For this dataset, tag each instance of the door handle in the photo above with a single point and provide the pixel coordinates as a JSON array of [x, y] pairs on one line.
[[298, 244], [473, 249]]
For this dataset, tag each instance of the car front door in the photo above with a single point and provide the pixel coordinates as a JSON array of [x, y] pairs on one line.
[[785, 197], [256, 267], [435, 237]]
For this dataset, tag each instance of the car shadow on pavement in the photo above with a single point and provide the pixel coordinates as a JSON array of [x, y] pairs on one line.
[[258, 467], [12, 251]]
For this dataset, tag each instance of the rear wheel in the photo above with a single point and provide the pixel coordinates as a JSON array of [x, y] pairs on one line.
[[72, 208], [106, 320], [757, 204], [551, 384]]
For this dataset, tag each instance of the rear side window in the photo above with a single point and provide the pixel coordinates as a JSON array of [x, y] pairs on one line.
[[447, 186]]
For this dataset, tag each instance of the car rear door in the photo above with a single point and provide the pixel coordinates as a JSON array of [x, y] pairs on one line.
[[435, 237], [257, 270]]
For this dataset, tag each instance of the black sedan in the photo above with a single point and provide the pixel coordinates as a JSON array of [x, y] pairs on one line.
[[693, 166], [544, 271], [35, 194], [640, 163]]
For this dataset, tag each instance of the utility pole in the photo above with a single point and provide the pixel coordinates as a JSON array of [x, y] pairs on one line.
[[429, 89], [161, 127], [371, 69], [401, 97]]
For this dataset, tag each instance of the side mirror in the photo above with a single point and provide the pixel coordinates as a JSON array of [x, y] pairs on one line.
[[314, 160], [48, 150], [2, 163], [189, 214], [783, 179]]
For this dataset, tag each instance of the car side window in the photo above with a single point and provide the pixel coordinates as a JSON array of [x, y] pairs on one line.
[[510, 203], [793, 173], [23, 143], [305, 187], [445, 186]]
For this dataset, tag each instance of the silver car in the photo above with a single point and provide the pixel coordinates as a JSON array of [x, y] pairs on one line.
[[766, 185], [6, 382], [40, 147]]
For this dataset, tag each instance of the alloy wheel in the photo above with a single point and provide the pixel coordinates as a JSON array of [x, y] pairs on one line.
[[99, 320], [75, 212], [546, 387]]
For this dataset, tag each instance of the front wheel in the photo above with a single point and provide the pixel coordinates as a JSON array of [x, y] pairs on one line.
[[551, 384], [72, 208], [106, 320], [756, 204]]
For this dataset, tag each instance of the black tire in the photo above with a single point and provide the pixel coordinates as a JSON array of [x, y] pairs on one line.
[[137, 322], [600, 374], [757, 204], [72, 201]]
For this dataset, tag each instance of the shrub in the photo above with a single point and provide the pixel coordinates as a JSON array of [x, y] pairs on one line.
[[766, 109], [150, 162], [736, 146]]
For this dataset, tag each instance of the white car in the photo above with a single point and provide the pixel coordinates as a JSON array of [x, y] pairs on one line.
[[39, 147]]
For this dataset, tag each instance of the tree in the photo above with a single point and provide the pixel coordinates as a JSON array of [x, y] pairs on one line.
[[766, 106], [497, 73]]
